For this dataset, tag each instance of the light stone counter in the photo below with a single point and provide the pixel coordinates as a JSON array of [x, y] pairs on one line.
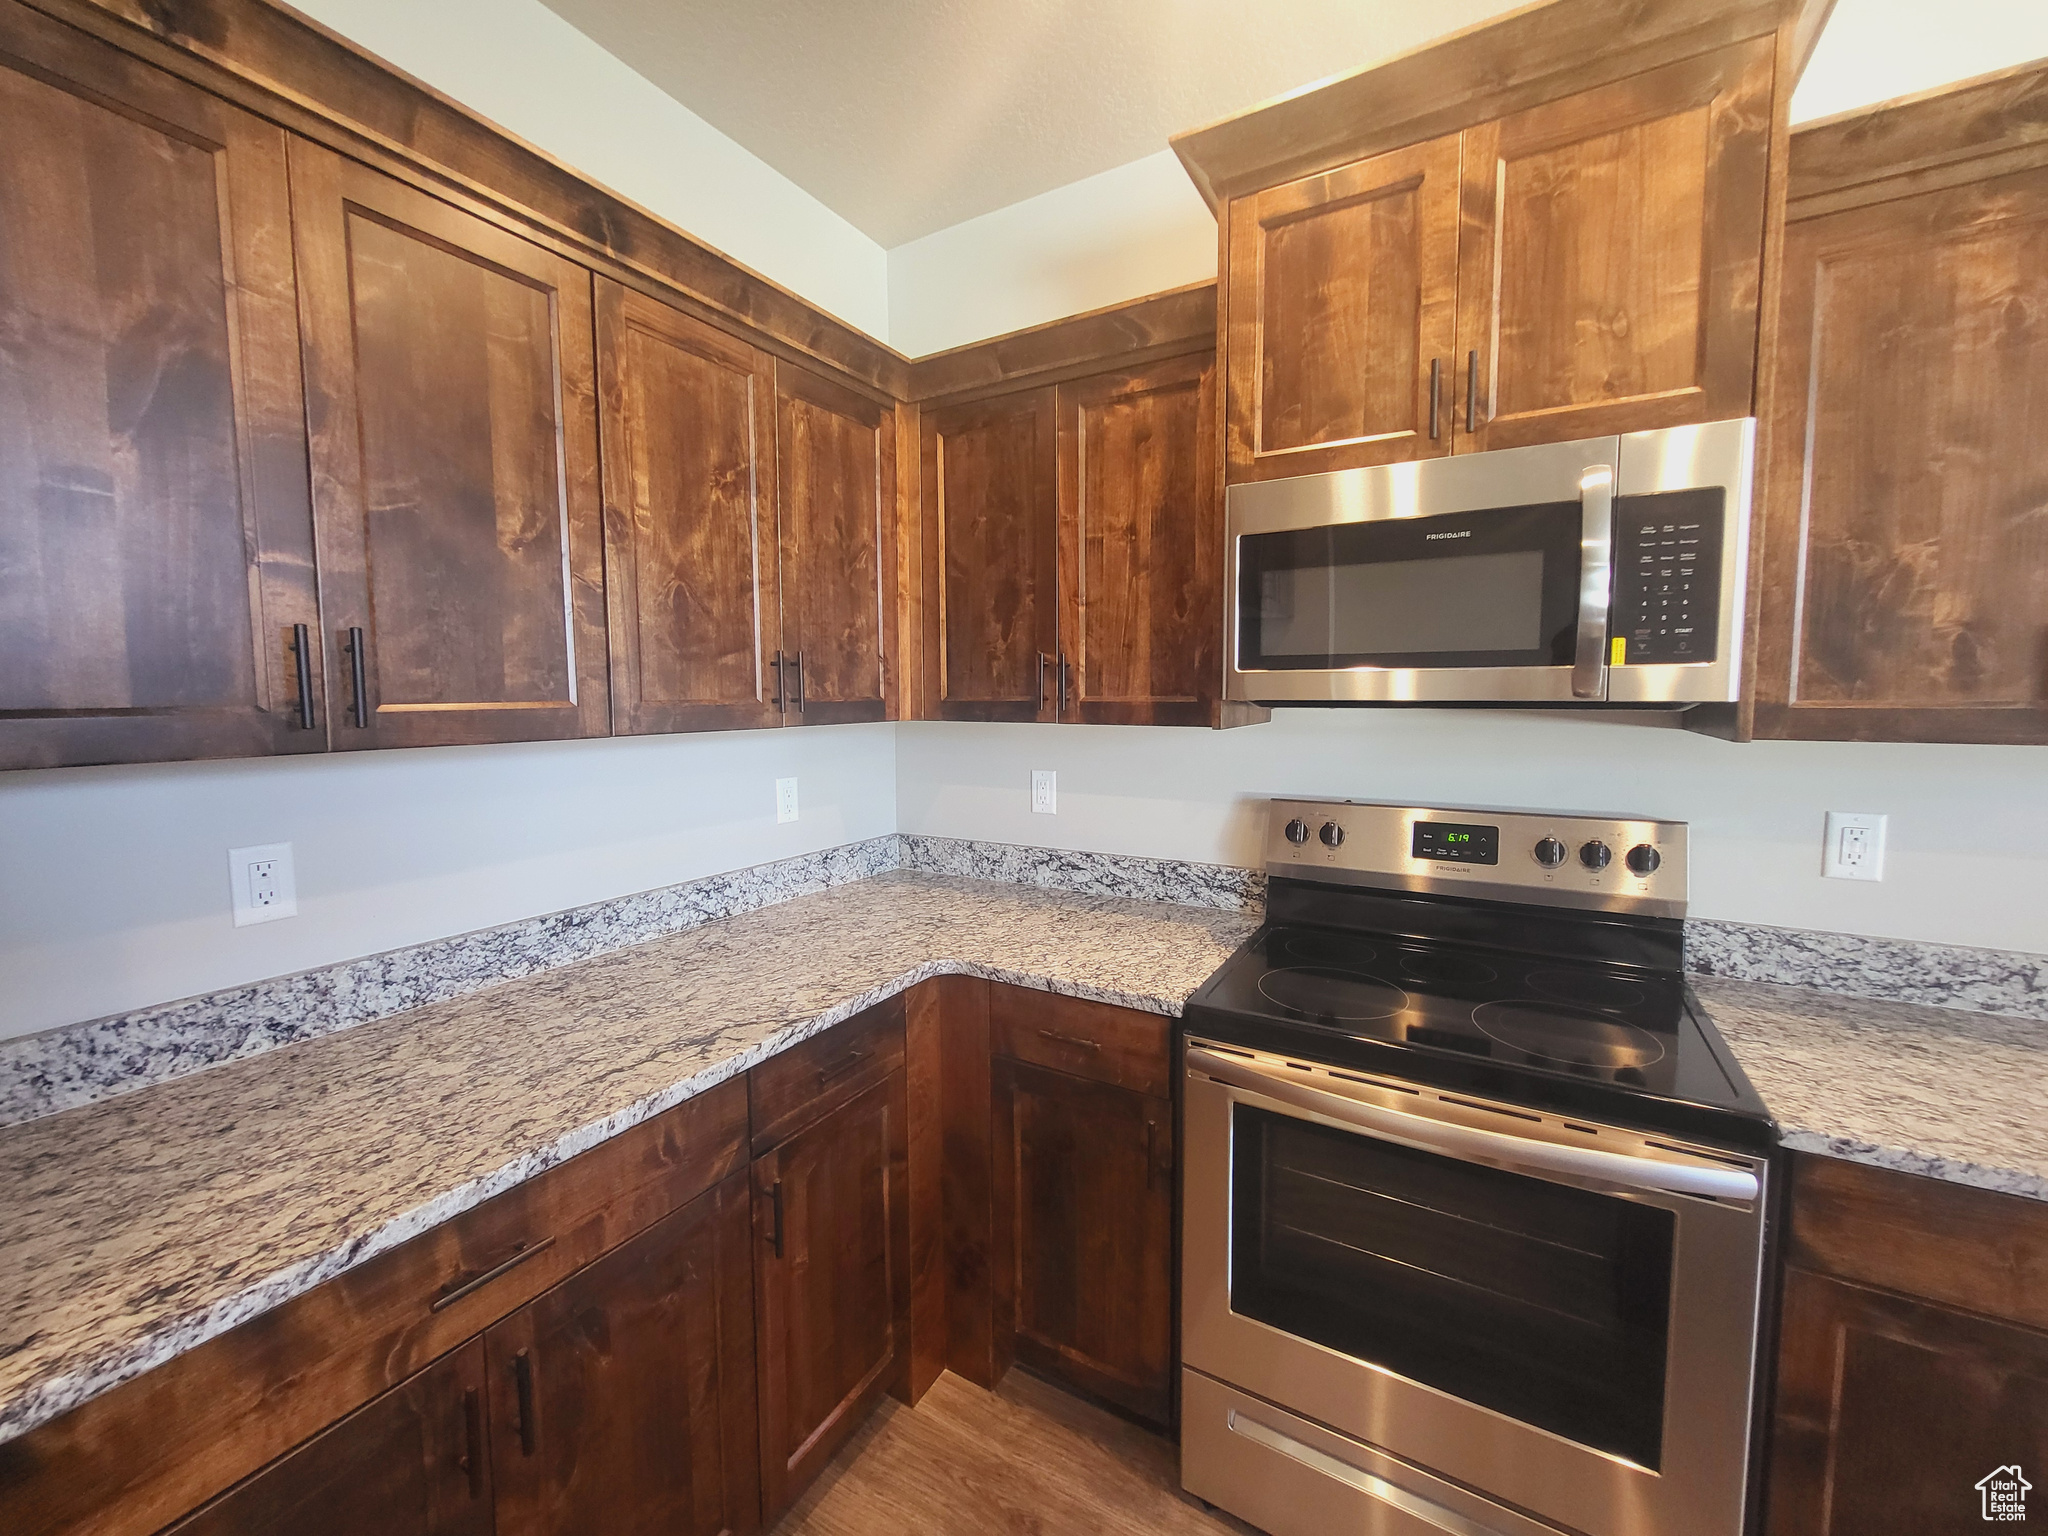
[[135, 1228], [1937, 1091]]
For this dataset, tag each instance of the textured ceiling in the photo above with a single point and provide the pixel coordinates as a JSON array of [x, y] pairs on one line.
[[906, 116]]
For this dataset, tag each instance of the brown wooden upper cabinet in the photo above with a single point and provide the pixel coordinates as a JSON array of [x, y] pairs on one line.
[[450, 391], [156, 539], [1073, 548], [1584, 266], [1903, 591]]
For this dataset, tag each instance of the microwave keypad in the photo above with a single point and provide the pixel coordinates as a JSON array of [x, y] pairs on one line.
[[1667, 577]]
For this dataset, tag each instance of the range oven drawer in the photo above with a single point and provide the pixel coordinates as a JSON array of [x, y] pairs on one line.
[[1292, 1477]]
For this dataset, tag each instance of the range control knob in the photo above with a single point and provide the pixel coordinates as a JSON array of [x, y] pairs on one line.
[[1549, 853], [1595, 855], [1332, 834], [1643, 859], [1297, 831]]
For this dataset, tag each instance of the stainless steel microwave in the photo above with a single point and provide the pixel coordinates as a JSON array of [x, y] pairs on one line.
[[1606, 571]]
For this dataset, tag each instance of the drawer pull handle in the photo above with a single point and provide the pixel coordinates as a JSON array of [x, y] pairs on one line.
[[472, 1459], [843, 1066], [359, 683], [302, 664], [458, 1288], [1079, 1040], [522, 1381]]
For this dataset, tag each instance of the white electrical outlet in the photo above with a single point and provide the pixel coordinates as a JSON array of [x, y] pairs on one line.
[[785, 799], [264, 885], [1855, 846], [1045, 792]]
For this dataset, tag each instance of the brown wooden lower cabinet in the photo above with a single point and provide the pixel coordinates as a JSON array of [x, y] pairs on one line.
[[831, 1282], [1082, 1251], [1913, 1360], [623, 1399], [413, 1463]]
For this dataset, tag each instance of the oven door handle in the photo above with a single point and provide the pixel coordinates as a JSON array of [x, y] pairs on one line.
[[1474, 1145], [1596, 580]]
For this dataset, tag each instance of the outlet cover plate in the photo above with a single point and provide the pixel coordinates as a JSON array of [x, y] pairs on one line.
[[1855, 846], [785, 799], [1045, 792], [264, 884]]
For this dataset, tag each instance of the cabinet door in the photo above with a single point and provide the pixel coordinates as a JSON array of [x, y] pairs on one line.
[[1340, 305], [689, 514], [623, 1399], [837, 452], [1140, 547], [832, 1283], [991, 506], [1609, 260], [156, 540], [1082, 1237], [454, 441], [415, 1462], [1890, 1411], [1905, 556]]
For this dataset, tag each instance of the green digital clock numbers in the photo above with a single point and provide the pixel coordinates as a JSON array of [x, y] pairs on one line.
[[1456, 843]]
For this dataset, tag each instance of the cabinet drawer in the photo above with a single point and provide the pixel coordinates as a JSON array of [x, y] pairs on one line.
[[806, 1082], [130, 1461], [1093, 1040]]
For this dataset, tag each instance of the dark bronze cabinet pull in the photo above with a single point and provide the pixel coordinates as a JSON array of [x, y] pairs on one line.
[[775, 1216], [1081, 1040], [781, 707], [799, 664], [843, 1066], [1151, 1153], [1043, 658], [1472, 391], [302, 664], [359, 705], [472, 1458], [1436, 374], [458, 1288], [522, 1382], [1063, 682]]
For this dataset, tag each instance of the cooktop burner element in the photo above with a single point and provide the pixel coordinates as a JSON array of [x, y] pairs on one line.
[[1558, 1036], [1323, 993], [1440, 947]]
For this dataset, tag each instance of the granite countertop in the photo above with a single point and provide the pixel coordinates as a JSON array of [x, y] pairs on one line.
[[1938, 1091], [135, 1228]]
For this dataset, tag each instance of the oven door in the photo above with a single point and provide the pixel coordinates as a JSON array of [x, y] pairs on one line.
[[1559, 1315], [1479, 579]]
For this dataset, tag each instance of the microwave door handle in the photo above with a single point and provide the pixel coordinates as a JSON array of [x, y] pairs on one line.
[[1471, 1144], [1596, 580]]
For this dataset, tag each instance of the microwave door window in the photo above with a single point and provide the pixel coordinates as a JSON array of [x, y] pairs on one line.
[[1490, 589]]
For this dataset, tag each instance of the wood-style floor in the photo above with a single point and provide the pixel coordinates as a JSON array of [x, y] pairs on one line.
[[1024, 1460]]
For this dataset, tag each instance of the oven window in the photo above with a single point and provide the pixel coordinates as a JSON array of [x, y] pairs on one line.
[[1541, 1302], [1497, 588]]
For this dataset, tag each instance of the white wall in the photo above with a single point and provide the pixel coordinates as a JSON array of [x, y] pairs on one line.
[[114, 881], [1137, 229], [1968, 852], [1874, 50], [530, 72]]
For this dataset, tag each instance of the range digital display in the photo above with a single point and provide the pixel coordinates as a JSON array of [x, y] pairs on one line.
[[1456, 842]]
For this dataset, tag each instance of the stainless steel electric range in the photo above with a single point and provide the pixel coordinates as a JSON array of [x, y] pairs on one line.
[[1474, 1201]]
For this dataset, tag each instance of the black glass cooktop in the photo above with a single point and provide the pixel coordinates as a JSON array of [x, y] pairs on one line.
[[1554, 1021]]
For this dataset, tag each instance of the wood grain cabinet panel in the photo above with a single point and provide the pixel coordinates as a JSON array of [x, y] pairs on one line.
[[156, 538], [1082, 1241], [1891, 1409], [1904, 591], [832, 1283], [623, 1400], [837, 463], [689, 512], [451, 394], [1342, 294], [1611, 255], [991, 506], [1140, 546], [416, 1462]]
